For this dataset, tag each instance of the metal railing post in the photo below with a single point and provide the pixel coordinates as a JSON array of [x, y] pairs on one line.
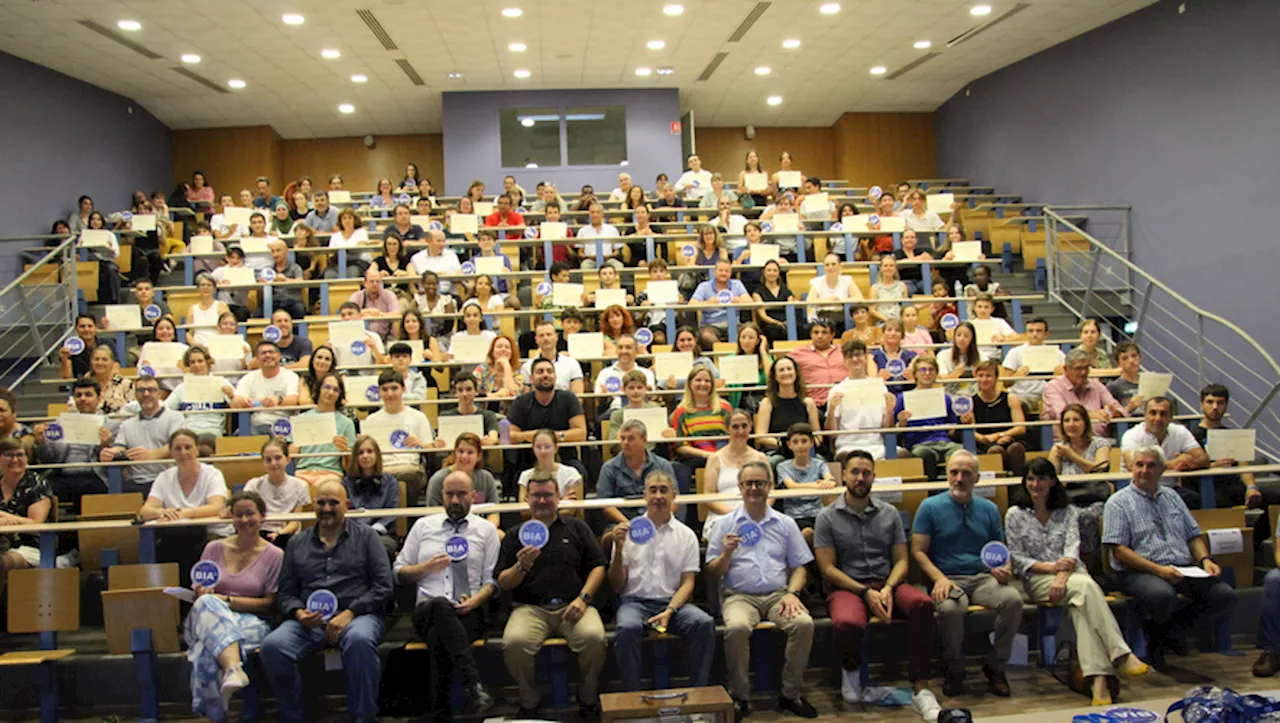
[[31, 316], [1200, 349], [1093, 278], [1142, 313]]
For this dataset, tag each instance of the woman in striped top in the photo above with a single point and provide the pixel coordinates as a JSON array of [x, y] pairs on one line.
[[702, 413]]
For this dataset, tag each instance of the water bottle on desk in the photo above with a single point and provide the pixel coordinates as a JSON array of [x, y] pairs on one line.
[[959, 290], [504, 431]]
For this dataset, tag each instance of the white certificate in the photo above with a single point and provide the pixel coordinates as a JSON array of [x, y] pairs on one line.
[[203, 390], [740, 369], [893, 224], [676, 364], [1042, 359], [1226, 541], [339, 197], [925, 403], [982, 490], [483, 208], [755, 182], [236, 216], [586, 345], [358, 386], [95, 239], [786, 223], [490, 265], [663, 292], [789, 179], [815, 203], [466, 348], [254, 245], [164, 353], [453, 425], [342, 333], [566, 294], [462, 223], [81, 428], [610, 297], [124, 317], [654, 419], [226, 346], [143, 222], [382, 431], [967, 250], [762, 253], [238, 276], [552, 231], [310, 430], [940, 202], [419, 221], [861, 393], [417, 345], [1154, 384], [881, 484], [853, 224], [1191, 571], [983, 330], [1237, 444], [201, 245]]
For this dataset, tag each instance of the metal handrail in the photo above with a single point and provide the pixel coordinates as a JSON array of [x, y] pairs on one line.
[[62, 255], [69, 241]]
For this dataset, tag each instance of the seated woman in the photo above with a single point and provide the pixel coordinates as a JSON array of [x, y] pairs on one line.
[[165, 331], [888, 286], [701, 413], [229, 328], [687, 340], [982, 284], [230, 619], [752, 342], [722, 466], [939, 309], [467, 457], [488, 243], [382, 200], [330, 395], [369, 487], [473, 326], [1044, 539], [25, 499], [709, 247], [545, 453], [786, 402], [864, 329], [282, 492], [203, 315], [500, 375], [771, 289], [394, 260], [959, 361], [108, 258], [117, 391], [207, 426], [993, 405], [322, 362], [891, 350], [913, 334], [413, 327], [190, 490], [616, 321], [1090, 336], [1080, 451], [10, 427], [484, 296], [835, 286]]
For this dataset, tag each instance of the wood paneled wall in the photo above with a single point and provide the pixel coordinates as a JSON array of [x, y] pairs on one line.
[[725, 150], [884, 148], [231, 158]]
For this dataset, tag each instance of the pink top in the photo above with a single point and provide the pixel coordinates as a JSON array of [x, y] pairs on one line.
[[204, 195], [920, 336], [259, 579], [1060, 392]]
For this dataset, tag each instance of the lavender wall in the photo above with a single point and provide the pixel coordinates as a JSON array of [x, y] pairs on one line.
[[472, 151], [60, 138]]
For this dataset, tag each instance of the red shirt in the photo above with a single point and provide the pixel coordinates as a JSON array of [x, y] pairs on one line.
[[817, 369], [512, 219]]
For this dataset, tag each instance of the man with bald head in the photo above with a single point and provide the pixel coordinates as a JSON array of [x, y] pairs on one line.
[[346, 560], [947, 538], [450, 557]]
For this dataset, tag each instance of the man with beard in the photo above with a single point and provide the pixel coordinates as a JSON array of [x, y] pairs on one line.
[[861, 548], [450, 557], [546, 408], [346, 560]]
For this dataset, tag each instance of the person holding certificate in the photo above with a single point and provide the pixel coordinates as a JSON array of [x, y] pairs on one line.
[[164, 352], [927, 406], [858, 403], [1180, 448], [203, 315], [1230, 490], [311, 433], [103, 247], [72, 483], [234, 272], [200, 391], [229, 350], [1033, 357], [474, 335]]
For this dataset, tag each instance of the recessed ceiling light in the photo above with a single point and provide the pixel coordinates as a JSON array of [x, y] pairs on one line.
[[672, 9], [878, 70], [666, 71], [517, 47], [331, 54], [191, 58], [527, 122], [774, 100], [522, 73], [236, 83], [359, 79], [512, 12], [791, 44], [346, 108], [293, 19], [642, 72], [455, 76], [763, 70], [656, 44], [129, 25], [829, 8], [923, 45], [980, 10]]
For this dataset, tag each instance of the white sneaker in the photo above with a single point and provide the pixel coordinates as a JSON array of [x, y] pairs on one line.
[[926, 705], [69, 559], [873, 694], [232, 680], [851, 686]]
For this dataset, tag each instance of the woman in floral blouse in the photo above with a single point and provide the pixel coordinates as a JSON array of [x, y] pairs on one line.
[[1044, 537], [25, 499], [117, 391]]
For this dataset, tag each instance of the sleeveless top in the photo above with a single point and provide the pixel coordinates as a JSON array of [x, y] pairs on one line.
[[704, 260], [897, 290], [726, 483], [996, 412], [207, 321], [786, 412]]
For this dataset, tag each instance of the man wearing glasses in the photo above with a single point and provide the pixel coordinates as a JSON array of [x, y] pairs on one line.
[[144, 437], [1158, 553], [760, 556], [1075, 387]]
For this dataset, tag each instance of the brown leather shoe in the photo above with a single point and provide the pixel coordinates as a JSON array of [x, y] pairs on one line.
[[1267, 665]]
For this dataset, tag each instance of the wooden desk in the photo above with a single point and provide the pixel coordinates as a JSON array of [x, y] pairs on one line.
[[712, 700]]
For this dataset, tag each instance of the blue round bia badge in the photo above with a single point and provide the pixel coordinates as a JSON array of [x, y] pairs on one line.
[[398, 438], [688, 250], [404, 198], [644, 336], [53, 432], [767, 227], [962, 405], [281, 428], [323, 602], [873, 219], [358, 348], [949, 321], [372, 394], [995, 554], [836, 226], [268, 275], [534, 533], [152, 312], [875, 192], [271, 333], [530, 232], [147, 370], [456, 548], [205, 573], [613, 385], [749, 533], [75, 345], [468, 267], [544, 288], [435, 226], [642, 530], [724, 297], [895, 367]]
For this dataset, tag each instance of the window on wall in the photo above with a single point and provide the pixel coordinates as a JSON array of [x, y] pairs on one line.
[[593, 136]]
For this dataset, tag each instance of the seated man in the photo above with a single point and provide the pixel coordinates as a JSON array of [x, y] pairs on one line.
[[74, 366], [552, 587], [1230, 490], [624, 475], [1125, 387], [1179, 446], [405, 466], [465, 389], [1151, 534], [567, 369], [947, 538], [709, 293], [452, 590], [374, 301], [144, 437], [1075, 387], [266, 387], [72, 483], [654, 580], [763, 578], [854, 418], [347, 560], [862, 554], [285, 298], [1030, 391], [934, 446], [295, 351], [415, 384]]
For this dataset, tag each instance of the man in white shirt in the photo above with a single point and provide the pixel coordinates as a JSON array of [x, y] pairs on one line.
[[271, 385], [435, 257], [394, 417], [1031, 392], [609, 380], [450, 557], [597, 228], [624, 187], [854, 418], [568, 370], [1176, 441], [653, 573], [219, 225], [695, 182]]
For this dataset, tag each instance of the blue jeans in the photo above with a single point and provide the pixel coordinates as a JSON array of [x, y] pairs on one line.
[[1158, 601], [291, 642], [1269, 620], [691, 623]]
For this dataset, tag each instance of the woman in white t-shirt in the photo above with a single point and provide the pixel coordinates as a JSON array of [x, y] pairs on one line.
[[190, 490], [545, 452], [350, 234], [229, 326], [204, 314], [473, 326], [282, 492], [835, 286]]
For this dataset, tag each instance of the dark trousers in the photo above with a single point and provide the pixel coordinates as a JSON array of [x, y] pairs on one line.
[[71, 487], [448, 637], [108, 282], [1164, 614]]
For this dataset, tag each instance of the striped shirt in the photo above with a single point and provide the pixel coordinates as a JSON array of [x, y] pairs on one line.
[[711, 422], [1156, 527]]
